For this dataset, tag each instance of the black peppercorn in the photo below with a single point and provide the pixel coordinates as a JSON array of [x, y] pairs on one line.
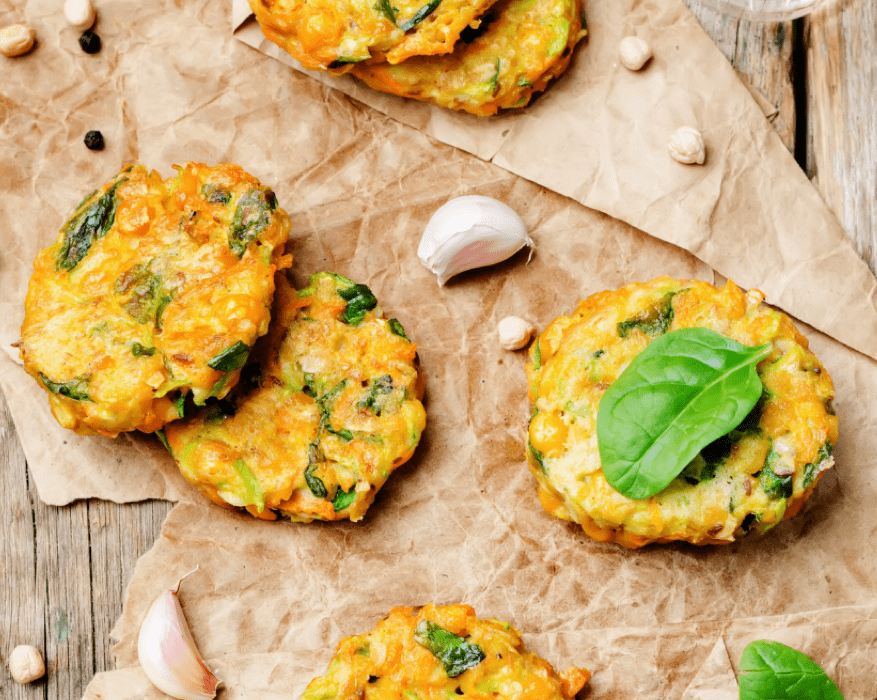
[[94, 141], [90, 42]]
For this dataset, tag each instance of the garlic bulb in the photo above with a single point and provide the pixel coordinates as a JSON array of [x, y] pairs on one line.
[[469, 232], [168, 654]]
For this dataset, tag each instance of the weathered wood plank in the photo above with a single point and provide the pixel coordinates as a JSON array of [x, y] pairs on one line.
[[842, 116], [762, 55]]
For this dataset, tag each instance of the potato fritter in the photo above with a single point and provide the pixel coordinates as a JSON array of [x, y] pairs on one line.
[[748, 480], [333, 36], [520, 47], [441, 652], [335, 410], [153, 290]]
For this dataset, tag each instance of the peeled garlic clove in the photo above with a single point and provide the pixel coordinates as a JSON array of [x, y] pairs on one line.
[[634, 52], [469, 232], [686, 145], [514, 332], [80, 14], [168, 653]]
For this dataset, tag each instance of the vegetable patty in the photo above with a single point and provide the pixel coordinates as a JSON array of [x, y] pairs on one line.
[[519, 48], [441, 652], [747, 480], [331, 35], [334, 411], [154, 290]]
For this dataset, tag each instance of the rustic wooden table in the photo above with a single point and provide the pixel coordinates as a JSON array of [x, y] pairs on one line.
[[64, 570]]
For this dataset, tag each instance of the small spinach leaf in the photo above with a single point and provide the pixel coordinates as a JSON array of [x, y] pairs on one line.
[[253, 214], [814, 467], [86, 227], [343, 499], [360, 301], [420, 15], [386, 9], [76, 388], [685, 390], [772, 671], [396, 328], [215, 195], [775, 486], [232, 358], [163, 439], [653, 320], [139, 350], [455, 653]]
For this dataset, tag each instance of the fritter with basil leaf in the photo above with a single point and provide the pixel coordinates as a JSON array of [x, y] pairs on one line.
[[154, 290], [520, 46], [334, 409], [333, 36], [441, 652], [761, 471]]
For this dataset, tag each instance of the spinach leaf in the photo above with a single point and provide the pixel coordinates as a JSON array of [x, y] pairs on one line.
[[343, 433], [215, 194], [360, 301], [163, 439], [76, 388], [180, 404], [253, 489], [315, 483], [139, 350], [813, 468], [253, 214], [145, 286], [86, 227], [386, 9], [455, 653], [396, 328], [537, 455], [379, 387], [686, 389], [653, 320], [420, 15], [774, 486], [232, 358], [343, 499], [772, 671], [160, 307]]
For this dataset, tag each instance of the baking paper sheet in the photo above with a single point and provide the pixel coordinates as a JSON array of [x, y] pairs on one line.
[[460, 522]]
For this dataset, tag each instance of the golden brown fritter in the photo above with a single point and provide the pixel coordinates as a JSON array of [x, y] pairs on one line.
[[748, 480], [331, 35], [154, 290], [523, 45], [336, 410], [441, 652]]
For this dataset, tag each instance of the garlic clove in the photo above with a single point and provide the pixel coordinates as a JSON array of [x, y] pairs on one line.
[[469, 232], [634, 52], [514, 332], [686, 146], [168, 653], [80, 14]]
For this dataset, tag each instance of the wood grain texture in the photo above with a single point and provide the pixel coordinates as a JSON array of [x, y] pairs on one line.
[[762, 55], [63, 576], [841, 51]]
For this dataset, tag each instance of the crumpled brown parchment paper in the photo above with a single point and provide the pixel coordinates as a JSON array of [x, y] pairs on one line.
[[460, 522]]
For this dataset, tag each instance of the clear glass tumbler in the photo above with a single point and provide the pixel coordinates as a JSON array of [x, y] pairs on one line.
[[765, 10]]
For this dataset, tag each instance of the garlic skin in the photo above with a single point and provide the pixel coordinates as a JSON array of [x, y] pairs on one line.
[[469, 232], [514, 332], [80, 14], [26, 664], [686, 145], [168, 654]]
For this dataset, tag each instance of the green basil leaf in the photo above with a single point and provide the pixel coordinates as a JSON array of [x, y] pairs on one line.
[[253, 489], [360, 301], [772, 671], [76, 388], [343, 499], [253, 214], [85, 227], [455, 653], [420, 15], [232, 358], [685, 390], [396, 328]]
